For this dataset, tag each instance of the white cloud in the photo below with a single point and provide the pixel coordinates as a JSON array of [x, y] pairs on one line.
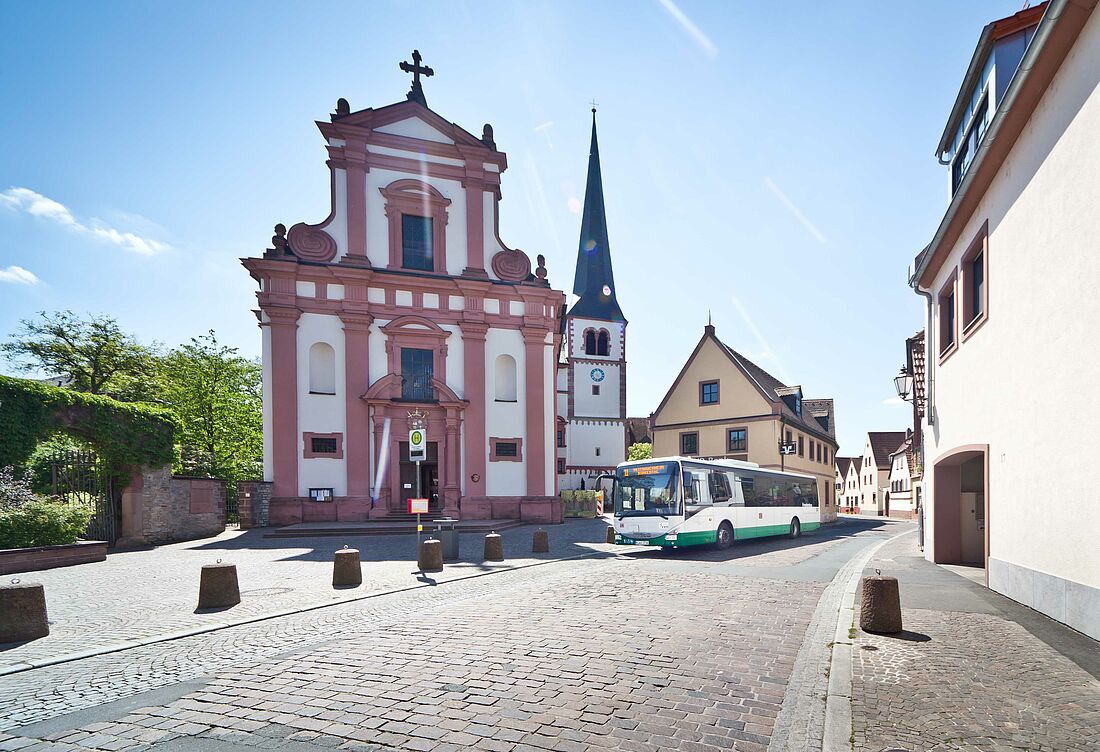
[[893, 401], [17, 275], [689, 26], [37, 205]]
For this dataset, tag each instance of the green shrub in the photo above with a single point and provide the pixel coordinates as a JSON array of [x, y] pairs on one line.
[[43, 522], [15, 490]]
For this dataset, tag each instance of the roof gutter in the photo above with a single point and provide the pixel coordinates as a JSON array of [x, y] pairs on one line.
[[1042, 33]]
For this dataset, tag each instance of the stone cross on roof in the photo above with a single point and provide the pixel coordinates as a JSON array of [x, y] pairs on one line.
[[416, 93]]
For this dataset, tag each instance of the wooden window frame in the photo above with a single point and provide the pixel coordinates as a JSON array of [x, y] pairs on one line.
[[717, 392], [494, 457], [948, 291], [307, 446], [745, 443], [979, 246], [681, 446], [417, 199]]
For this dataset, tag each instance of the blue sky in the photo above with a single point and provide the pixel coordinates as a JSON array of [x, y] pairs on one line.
[[771, 164]]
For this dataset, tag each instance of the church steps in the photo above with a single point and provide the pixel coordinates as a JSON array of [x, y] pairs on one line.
[[391, 525]]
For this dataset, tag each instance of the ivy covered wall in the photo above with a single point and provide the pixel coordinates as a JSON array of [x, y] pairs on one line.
[[125, 434]]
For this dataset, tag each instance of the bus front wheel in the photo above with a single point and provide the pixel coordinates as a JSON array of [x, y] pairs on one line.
[[796, 528], [724, 537]]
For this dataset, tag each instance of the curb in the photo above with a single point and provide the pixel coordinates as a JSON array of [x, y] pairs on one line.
[[838, 700], [19, 668]]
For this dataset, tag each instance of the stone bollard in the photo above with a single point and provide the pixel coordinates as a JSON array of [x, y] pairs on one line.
[[346, 570], [880, 605], [610, 535], [430, 558], [494, 547], [218, 586], [541, 542], [22, 612]]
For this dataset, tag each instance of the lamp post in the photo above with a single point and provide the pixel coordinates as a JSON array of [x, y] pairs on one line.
[[903, 383]]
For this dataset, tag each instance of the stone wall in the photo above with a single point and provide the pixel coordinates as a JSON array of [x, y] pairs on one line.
[[254, 503], [158, 507], [49, 557]]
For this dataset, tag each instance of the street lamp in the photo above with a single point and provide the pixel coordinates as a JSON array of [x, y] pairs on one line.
[[903, 383]]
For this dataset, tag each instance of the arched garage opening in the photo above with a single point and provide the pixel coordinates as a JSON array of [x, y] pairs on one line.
[[960, 505]]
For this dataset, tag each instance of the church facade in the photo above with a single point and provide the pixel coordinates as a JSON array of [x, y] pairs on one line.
[[403, 309], [591, 384]]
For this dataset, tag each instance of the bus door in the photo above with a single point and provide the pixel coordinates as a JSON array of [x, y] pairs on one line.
[[697, 500]]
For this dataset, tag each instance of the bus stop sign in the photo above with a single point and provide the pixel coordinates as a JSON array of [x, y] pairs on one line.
[[418, 447]]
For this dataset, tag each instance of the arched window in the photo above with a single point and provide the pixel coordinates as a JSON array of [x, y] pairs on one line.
[[505, 372], [590, 342], [603, 343], [322, 369]]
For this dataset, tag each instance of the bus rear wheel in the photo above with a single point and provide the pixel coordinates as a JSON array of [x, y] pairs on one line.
[[796, 528], [724, 537]]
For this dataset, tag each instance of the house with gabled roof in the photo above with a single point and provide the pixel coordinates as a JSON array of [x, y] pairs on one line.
[[874, 473], [847, 483], [724, 405]]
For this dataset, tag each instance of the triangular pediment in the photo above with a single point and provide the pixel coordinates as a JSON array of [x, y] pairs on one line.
[[415, 127]]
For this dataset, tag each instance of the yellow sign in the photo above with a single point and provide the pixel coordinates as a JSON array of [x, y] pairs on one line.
[[416, 438], [419, 528]]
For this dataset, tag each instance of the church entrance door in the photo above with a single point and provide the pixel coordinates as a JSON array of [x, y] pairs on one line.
[[429, 477]]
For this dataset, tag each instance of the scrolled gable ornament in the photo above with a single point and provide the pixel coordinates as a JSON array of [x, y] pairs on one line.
[[311, 243], [511, 265]]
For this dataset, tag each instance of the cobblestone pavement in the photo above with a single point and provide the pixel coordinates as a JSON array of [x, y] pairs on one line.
[[579, 655], [966, 680], [141, 595], [138, 595]]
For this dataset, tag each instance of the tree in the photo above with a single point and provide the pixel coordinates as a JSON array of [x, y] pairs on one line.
[[90, 354], [639, 452], [216, 394]]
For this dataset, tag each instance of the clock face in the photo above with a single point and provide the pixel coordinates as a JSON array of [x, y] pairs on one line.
[[597, 374]]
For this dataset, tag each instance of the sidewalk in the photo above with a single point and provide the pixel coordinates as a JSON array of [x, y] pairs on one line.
[[973, 670]]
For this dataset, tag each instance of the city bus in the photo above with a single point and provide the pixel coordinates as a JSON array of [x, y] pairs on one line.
[[680, 501]]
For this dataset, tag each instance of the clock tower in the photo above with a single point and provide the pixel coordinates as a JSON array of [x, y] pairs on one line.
[[591, 399]]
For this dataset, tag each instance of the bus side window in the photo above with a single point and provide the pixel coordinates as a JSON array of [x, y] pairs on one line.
[[737, 494], [691, 489], [719, 487]]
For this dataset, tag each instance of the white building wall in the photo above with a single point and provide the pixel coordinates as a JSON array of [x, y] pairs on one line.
[[320, 413], [377, 362], [1022, 382], [456, 360], [506, 419], [603, 405]]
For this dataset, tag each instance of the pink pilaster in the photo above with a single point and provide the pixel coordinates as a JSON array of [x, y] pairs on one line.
[[451, 489], [284, 398], [381, 504], [355, 165], [477, 449], [356, 381], [534, 345], [475, 224]]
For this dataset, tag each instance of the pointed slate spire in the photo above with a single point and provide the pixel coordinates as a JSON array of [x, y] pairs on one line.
[[594, 282]]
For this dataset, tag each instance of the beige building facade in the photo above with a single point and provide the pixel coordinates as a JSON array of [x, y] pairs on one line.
[[723, 405]]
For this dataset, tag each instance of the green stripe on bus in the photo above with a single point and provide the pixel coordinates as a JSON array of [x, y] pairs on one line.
[[760, 531]]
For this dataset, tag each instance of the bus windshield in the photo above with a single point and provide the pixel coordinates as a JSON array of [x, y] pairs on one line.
[[647, 490]]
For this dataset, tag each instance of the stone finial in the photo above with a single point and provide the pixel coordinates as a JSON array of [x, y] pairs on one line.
[[540, 272], [487, 136], [342, 107]]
